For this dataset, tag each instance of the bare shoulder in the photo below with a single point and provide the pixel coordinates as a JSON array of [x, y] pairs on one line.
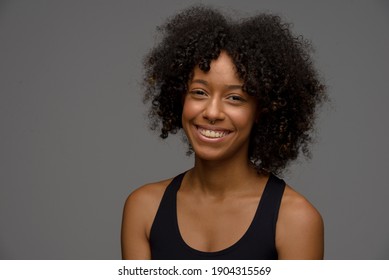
[[300, 229], [149, 192], [144, 201], [139, 211], [296, 208]]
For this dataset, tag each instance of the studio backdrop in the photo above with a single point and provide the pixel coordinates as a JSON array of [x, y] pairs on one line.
[[74, 137]]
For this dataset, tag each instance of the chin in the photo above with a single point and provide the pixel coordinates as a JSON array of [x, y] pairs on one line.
[[208, 154]]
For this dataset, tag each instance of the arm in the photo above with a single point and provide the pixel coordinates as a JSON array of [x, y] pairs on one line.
[[300, 229]]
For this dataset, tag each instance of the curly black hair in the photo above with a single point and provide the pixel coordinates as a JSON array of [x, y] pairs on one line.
[[275, 66]]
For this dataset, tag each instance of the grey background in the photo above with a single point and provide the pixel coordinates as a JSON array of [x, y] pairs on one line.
[[74, 141]]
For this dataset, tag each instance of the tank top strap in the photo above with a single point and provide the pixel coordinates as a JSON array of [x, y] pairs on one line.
[[257, 243], [162, 235], [167, 207], [268, 208]]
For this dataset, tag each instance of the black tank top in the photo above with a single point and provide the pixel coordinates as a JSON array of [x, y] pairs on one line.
[[257, 243]]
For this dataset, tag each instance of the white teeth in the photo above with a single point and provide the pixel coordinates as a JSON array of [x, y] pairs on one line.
[[212, 133]]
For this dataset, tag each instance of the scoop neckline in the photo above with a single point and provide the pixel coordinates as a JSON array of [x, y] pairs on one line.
[[229, 248]]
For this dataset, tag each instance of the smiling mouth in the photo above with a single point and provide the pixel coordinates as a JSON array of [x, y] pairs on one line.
[[213, 133]]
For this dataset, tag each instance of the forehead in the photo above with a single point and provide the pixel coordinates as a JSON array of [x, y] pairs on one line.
[[222, 70]]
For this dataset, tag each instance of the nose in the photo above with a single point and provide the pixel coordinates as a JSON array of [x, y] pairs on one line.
[[214, 110]]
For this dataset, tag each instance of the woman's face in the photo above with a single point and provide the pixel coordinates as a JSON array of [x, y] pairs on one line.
[[218, 115]]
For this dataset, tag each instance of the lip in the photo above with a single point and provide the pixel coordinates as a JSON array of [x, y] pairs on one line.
[[204, 138]]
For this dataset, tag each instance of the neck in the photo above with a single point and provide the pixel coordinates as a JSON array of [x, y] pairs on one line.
[[221, 177]]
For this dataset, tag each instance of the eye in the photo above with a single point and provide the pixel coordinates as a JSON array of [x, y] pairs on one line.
[[198, 93], [236, 98]]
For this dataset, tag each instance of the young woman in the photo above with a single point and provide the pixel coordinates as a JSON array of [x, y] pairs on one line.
[[245, 93]]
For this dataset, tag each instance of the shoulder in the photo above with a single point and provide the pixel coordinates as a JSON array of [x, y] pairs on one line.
[[296, 208], [142, 204], [138, 215], [300, 229], [148, 193]]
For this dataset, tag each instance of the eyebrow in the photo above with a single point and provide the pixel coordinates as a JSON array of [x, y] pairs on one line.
[[230, 87]]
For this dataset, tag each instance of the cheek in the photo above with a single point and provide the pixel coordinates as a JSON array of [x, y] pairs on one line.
[[187, 115], [190, 110], [244, 119]]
